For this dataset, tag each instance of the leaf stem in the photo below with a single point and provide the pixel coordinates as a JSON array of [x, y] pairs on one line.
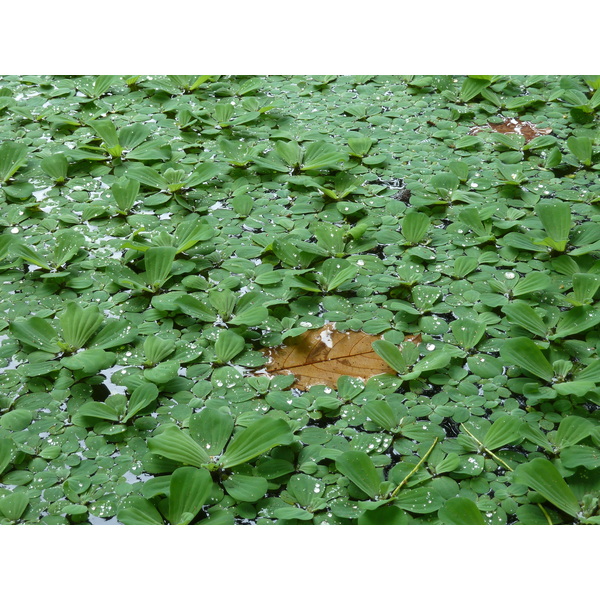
[[487, 450], [393, 494], [498, 459]]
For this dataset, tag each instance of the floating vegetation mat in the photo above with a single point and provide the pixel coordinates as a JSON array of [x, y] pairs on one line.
[[299, 300]]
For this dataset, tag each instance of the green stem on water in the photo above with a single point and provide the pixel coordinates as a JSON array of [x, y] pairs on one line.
[[393, 494], [487, 450]]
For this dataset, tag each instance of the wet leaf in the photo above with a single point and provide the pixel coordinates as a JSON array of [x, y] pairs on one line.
[[320, 356]]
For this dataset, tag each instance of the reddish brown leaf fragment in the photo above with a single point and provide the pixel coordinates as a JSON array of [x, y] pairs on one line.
[[320, 356], [415, 338], [524, 128]]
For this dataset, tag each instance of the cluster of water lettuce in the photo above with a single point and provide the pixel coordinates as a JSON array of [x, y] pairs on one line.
[[157, 232]]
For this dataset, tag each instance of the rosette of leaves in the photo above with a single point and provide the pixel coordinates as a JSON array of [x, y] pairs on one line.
[[187, 234], [75, 329], [557, 235], [212, 447], [326, 277], [65, 245], [118, 144], [112, 416], [292, 158], [178, 500], [575, 494], [563, 376], [158, 264], [248, 310], [172, 180]]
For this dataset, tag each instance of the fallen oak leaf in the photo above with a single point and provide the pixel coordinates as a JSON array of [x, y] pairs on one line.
[[320, 356]]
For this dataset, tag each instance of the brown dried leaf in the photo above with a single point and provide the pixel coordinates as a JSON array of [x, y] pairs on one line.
[[320, 356], [524, 128], [415, 338]]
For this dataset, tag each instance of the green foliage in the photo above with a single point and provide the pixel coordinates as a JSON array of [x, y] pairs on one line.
[[162, 237]]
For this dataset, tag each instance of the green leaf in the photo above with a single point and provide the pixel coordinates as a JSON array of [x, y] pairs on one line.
[[504, 430], [582, 148], [360, 470], [157, 348], [139, 511], [141, 398], [585, 286], [13, 505], [67, 244], [467, 332], [580, 456], [195, 308], [189, 489], [159, 262], [229, 344], [430, 362], [590, 373], [521, 313], [390, 354], [419, 500], [381, 413], [322, 155], [307, 490], [163, 372], [175, 444], [16, 419], [102, 84], [98, 410], [460, 511], [533, 282], [79, 324], [523, 353], [55, 166], [212, 429], [256, 439], [572, 429], [576, 320], [31, 256], [414, 226], [133, 135], [189, 233], [89, 361], [125, 192], [251, 317], [471, 87], [223, 302], [246, 488], [13, 156], [7, 448], [543, 477], [425, 296], [148, 176], [359, 146], [290, 152], [556, 219], [114, 333], [105, 129], [36, 332], [444, 184], [202, 173], [383, 515], [574, 388], [450, 462]]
